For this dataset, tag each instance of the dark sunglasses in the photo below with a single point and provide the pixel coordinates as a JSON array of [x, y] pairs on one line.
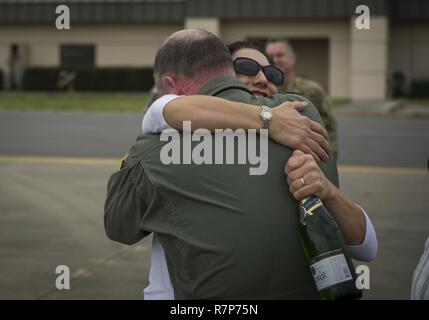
[[250, 67]]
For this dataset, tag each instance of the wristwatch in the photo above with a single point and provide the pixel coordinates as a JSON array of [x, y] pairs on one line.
[[266, 116]]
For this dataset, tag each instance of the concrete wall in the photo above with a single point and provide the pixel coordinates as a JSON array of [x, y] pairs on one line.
[[313, 60], [133, 46], [353, 63], [4, 52], [136, 45], [210, 24], [369, 60]]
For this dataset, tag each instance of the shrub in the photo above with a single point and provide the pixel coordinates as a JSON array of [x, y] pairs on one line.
[[91, 79]]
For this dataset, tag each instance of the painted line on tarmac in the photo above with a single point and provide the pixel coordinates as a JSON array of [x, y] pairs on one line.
[[386, 170], [111, 161], [60, 160]]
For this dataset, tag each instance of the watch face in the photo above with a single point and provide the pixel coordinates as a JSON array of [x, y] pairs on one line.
[[266, 115]]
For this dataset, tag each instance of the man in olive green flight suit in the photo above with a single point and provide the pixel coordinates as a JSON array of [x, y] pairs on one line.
[[224, 232], [283, 56]]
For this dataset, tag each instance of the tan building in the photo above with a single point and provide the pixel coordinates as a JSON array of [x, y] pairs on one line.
[[350, 63]]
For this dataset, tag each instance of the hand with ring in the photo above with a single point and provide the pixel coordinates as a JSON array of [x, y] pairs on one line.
[[305, 178]]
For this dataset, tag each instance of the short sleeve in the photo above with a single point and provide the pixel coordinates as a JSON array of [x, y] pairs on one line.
[[153, 120], [367, 251]]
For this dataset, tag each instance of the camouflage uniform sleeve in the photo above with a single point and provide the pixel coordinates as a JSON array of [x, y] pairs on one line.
[[316, 95], [331, 124]]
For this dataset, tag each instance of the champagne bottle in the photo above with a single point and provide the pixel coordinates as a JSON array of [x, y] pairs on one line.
[[331, 266]]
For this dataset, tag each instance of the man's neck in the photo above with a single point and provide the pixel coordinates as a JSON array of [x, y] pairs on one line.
[[220, 84], [194, 86]]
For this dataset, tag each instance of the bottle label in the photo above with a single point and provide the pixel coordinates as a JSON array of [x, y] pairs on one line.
[[311, 203], [330, 271]]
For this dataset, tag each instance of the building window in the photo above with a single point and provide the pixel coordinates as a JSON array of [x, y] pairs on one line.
[[77, 55]]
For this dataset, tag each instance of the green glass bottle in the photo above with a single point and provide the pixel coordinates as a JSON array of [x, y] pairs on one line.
[[331, 266]]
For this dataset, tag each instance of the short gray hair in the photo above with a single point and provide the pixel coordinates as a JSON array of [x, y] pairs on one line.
[[283, 40], [190, 53]]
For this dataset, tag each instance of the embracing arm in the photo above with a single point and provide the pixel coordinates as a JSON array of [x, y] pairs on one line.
[[355, 225], [125, 205], [288, 126]]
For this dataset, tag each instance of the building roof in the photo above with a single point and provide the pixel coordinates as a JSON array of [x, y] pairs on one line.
[[175, 11]]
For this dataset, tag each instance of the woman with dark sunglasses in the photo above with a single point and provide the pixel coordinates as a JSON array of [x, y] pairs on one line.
[[253, 69]]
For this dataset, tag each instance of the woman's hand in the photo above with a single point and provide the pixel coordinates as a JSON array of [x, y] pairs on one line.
[[305, 177], [296, 131]]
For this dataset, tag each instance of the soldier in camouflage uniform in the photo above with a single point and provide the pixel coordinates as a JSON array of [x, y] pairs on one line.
[[280, 51], [314, 92]]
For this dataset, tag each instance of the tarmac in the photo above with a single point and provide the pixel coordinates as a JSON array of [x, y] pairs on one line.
[[52, 214], [389, 108]]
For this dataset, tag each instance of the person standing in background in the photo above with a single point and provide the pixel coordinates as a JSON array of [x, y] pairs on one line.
[[284, 57], [16, 68]]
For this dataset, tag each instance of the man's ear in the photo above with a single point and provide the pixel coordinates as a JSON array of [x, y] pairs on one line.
[[172, 85]]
